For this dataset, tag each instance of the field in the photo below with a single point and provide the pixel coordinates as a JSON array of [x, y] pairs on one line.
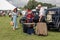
[[6, 32]]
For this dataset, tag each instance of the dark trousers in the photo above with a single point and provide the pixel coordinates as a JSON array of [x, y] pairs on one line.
[[25, 28], [30, 30], [43, 19]]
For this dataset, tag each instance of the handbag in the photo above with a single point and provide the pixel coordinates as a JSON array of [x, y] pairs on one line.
[[11, 23]]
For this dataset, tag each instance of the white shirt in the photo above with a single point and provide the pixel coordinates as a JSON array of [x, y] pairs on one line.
[[42, 12]]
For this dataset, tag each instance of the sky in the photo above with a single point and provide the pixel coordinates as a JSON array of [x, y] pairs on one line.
[[21, 3]]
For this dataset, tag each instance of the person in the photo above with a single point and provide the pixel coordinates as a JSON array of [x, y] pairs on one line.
[[36, 16], [41, 28], [3, 13], [24, 12], [14, 16], [41, 13], [10, 14], [37, 10], [30, 17]]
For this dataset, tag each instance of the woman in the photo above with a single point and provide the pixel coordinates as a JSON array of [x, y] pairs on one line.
[[14, 16]]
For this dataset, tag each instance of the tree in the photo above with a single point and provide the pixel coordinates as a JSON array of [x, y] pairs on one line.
[[47, 4], [32, 4]]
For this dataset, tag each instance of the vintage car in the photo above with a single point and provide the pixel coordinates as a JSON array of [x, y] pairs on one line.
[[53, 18]]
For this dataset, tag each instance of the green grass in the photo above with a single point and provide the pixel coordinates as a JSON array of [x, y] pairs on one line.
[[6, 32]]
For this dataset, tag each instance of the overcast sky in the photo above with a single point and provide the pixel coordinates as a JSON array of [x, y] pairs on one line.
[[24, 2]]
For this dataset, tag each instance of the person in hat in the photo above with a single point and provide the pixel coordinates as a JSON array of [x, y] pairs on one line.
[[41, 13]]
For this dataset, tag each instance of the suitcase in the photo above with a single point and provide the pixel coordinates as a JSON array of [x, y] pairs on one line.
[[41, 29]]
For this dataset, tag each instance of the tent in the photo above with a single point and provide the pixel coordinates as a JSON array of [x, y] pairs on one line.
[[5, 5]]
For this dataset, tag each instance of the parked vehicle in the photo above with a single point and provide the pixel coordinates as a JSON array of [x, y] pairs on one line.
[[53, 18]]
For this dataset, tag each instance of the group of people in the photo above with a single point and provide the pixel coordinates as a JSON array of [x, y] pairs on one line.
[[29, 18], [2, 13]]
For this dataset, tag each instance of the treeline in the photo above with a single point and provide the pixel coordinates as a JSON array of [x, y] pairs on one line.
[[32, 4]]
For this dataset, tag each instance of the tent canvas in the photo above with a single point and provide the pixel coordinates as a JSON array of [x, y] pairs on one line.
[[5, 5]]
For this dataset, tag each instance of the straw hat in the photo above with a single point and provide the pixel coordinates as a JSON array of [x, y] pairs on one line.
[[39, 5]]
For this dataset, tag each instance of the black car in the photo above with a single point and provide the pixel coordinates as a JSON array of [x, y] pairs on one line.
[[53, 18]]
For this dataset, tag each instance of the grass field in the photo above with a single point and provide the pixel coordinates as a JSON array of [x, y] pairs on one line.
[[6, 32]]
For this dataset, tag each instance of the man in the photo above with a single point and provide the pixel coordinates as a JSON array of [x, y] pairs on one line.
[[37, 10], [41, 13], [36, 15]]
